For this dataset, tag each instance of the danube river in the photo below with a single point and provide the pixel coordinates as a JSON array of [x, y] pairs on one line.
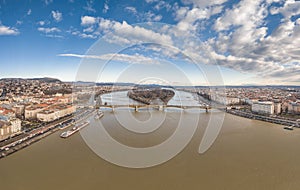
[[247, 154]]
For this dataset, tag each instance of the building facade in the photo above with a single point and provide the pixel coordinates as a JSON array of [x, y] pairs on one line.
[[10, 127], [277, 108], [263, 107], [31, 111], [294, 107], [55, 112]]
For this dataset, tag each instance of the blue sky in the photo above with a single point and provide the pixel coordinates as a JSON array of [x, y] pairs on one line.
[[250, 41]]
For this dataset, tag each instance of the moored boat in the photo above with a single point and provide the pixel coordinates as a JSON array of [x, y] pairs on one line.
[[289, 127], [74, 129], [99, 114]]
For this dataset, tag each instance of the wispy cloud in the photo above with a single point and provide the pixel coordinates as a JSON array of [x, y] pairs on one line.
[[148, 16], [131, 10], [88, 36], [47, 2], [105, 7], [89, 6], [57, 16], [132, 59], [29, 12], [48, 30], [41, 23]]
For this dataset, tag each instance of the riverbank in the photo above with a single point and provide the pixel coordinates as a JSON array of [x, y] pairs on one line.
[[249, 115], [40, 133], [24, 143], [275, 120]]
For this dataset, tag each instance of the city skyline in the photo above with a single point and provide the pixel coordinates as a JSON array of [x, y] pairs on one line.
[[252, 42]]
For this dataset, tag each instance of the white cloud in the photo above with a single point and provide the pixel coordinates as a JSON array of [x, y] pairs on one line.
[[131, 10], [159, 4], [151, 1], [89, 6], [243, 36], [190, 17], [151, 17], [106, 7], [204, 3], [88, 20], [216, 9], [194, 19], [243, 41], [290, 8], [6, 30], [181, 12], [246, 13], [49, 30], [89, 29], [88, 33], [57, 16], [128, 34], [84, 35], [132, 59], [148, 16], [41, 23], [162, 4], [54, 36]]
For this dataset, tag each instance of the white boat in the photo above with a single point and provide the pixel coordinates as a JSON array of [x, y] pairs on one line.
[[289, 127], [74, 130], [99, 114]]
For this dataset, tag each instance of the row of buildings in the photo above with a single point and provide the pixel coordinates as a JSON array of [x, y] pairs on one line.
[[270, 108], [25, 102], [10, 124], [48, 113], [9, 127], [261, 100], [32, 101]]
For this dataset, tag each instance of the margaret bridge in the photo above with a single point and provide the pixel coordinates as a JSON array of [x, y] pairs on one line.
[[153, 106]]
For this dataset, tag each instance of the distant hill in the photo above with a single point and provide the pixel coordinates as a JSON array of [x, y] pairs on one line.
[[45, 79]]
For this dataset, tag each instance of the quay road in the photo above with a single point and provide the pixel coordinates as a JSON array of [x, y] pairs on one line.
[[276, 120], [27, 138]]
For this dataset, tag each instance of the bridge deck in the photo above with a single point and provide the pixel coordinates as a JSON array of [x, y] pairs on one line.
[[155, 106]]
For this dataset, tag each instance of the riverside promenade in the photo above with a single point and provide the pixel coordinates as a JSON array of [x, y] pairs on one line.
[[274, 119], [28, 138], [250, 115]]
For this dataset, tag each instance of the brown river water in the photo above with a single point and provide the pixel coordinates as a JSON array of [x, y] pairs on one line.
[[247, 154]]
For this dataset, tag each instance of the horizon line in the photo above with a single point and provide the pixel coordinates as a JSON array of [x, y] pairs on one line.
[[232, 85]]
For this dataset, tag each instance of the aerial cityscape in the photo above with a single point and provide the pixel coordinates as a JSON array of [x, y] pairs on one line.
[[150, 94]]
